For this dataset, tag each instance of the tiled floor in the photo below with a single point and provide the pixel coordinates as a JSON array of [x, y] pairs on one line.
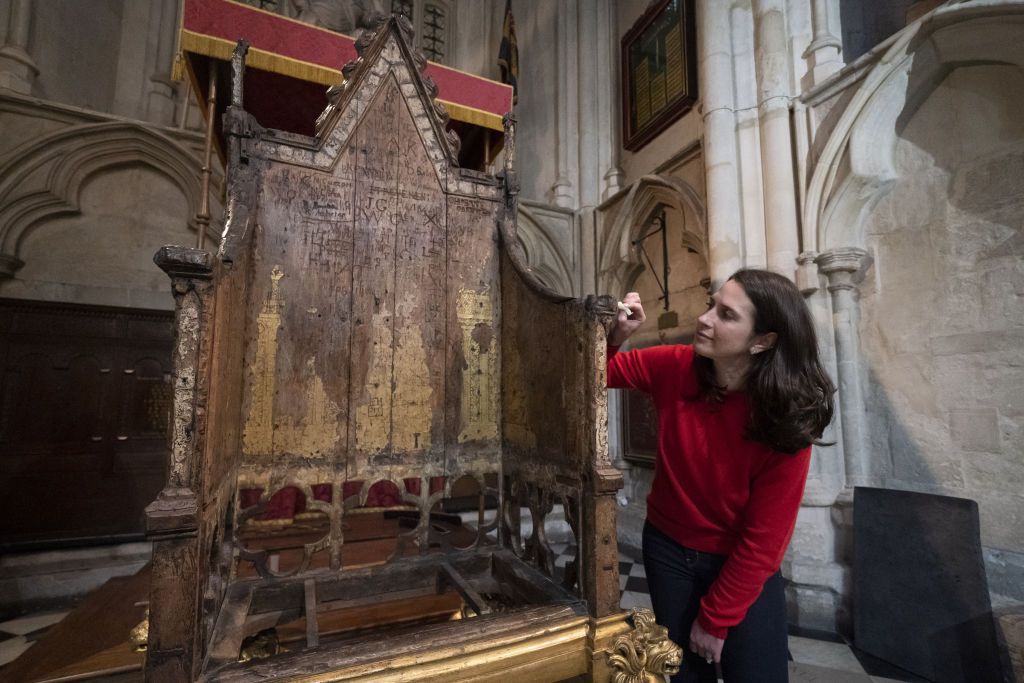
[[17, 635], [813, 660]]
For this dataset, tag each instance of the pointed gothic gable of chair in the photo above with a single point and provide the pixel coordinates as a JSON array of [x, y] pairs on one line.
[[375, 276]]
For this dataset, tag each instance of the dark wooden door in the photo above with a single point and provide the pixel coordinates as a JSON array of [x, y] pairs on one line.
[[84, 409]]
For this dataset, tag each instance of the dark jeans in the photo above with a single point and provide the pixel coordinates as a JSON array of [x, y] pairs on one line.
[[756, 649]]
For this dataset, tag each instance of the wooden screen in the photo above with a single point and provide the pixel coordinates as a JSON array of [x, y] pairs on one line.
[[84, 408]]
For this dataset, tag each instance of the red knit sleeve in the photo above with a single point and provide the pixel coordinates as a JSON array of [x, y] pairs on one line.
[[770, 517], [641, 369]]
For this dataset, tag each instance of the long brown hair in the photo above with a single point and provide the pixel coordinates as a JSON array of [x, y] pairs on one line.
[[790, 393]]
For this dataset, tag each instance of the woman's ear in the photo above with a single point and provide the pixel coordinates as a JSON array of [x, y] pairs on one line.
[[763, 342]]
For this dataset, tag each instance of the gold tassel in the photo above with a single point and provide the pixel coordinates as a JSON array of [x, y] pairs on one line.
[[178, 68]]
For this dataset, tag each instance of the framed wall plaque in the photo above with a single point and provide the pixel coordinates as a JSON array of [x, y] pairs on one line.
[[640, 428], [659, 70], [640, 416]]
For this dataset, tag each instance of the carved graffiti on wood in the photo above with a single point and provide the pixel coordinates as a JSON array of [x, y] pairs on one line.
[[259, 433], [479, 416]]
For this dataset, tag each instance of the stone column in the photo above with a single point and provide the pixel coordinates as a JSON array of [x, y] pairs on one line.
[[841, 265], [819, 587], [773, 94], [825, 53], [17, 69], [748, 134], [172, 520], [610, 108], [590, 140], [160, 95], [720, 161], [563, 191]]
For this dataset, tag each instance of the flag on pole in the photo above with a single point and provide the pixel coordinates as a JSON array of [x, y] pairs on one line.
[[508, 53]]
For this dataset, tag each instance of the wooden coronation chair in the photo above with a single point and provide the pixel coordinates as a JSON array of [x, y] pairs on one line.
[[370, 388]]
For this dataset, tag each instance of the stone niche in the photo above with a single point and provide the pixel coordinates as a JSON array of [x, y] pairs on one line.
[[942, 311]]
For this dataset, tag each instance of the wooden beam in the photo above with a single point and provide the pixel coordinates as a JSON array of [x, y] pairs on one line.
[[312, 627], [449, 575], [230, 629]]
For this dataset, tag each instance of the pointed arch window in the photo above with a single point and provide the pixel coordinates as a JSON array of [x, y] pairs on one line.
[[404, 7], [432, 21], [434, 31], [269, 5]]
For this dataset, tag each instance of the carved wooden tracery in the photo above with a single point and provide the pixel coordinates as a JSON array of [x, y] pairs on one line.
[[363, 336]]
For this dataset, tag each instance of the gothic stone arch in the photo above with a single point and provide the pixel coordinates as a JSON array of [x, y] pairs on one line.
[[857, 165], [620, 264], [44, 178]]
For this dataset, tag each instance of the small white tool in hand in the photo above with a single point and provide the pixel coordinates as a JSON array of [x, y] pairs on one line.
[[627, 309]]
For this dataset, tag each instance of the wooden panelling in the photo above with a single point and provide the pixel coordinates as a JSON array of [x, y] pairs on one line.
[[84, 404]]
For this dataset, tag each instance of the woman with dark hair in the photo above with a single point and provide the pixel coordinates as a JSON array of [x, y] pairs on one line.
[[738, 412]]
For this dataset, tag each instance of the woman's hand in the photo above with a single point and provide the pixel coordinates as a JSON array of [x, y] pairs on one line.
[[704, 644], [627, 323]]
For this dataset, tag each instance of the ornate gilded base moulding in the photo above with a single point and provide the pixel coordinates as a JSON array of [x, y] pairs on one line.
[[644, 654], [537, 644]]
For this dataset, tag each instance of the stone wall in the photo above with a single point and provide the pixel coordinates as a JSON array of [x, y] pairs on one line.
[[87, 198], [866, 23], [537, 31], [943, 308], [675, 137], [913, 266]]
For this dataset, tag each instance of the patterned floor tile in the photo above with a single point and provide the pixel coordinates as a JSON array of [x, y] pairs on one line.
[[12, 648], [630, 600], [34, 622]]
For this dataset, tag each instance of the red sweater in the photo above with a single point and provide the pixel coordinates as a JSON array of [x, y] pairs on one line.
[[713, 490]]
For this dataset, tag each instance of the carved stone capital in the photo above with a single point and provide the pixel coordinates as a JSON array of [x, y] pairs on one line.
[[844, 267], [807, 273], [841, 286], [823, 42], [645, 654], [17, 54], [9, 265], [842, 260]]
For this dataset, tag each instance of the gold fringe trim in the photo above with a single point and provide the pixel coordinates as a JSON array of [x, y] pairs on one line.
[[260, 59], [220, 48], [474, 116]]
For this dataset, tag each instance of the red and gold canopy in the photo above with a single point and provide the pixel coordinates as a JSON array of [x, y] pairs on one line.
[[290, 63]]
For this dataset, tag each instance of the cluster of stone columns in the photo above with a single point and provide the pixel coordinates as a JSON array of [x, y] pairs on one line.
[[773, 96], [587, 119], [18, 71], [148, 37], [746, 82], [842, 266]]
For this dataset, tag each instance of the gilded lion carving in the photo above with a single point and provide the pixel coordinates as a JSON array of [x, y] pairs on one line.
[[645, 654]]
